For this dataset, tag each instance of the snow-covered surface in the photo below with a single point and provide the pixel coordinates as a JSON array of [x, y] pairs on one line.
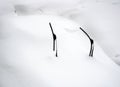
[[26, 56], [100, 18], [27, 59]]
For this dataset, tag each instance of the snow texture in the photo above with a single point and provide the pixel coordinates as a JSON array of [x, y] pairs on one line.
[[26, 44], [100, 18]]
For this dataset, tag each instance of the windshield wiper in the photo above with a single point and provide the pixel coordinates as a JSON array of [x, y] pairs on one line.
[[54, 40], [91, 42]]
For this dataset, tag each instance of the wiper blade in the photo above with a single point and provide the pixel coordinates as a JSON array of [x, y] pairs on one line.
[[54, 40], [91, 42]]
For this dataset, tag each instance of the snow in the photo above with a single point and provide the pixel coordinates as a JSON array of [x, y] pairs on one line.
[[27, 58], [100, 18], [26, 55]]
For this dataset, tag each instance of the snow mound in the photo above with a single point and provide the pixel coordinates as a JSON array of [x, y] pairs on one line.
[[28, 60]]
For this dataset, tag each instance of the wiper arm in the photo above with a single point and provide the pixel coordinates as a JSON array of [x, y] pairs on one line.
[[54, 40], [91, 42]]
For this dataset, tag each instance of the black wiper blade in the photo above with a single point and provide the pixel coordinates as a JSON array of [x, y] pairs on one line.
[[91, 48], [91, 42], [54, 40], [54, 36]]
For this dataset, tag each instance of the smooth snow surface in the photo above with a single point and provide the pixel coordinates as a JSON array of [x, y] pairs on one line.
[[27, 58], [98, 17]]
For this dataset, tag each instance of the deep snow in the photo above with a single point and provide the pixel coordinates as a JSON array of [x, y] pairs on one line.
[[26, 55], [100, 18], [27, 58]]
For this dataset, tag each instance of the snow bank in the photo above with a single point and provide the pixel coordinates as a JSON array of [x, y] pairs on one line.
[[27, 58]]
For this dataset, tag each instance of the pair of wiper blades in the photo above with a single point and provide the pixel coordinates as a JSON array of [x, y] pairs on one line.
[[55, 42]]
